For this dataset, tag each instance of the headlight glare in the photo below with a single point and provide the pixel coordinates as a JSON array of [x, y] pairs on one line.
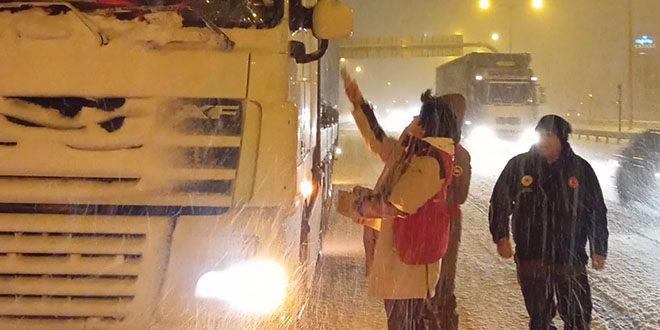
[[306, 188], [482, 135], [529, 137], [256, 287]]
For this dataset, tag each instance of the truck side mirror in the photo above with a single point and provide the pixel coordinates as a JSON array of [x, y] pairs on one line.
[[332, 20], [299, 52]]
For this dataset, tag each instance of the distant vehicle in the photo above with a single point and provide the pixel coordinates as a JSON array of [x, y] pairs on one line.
[[501, 92], [638, 174]]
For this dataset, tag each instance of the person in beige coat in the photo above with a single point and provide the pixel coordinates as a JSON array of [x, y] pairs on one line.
[[399, 192]]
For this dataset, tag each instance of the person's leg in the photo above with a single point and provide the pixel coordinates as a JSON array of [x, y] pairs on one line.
[[574, 301], [442, 307], [405, 314], [538, 294], [417, 309]]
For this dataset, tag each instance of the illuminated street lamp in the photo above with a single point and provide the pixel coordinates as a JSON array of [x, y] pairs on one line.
[[485, 4]]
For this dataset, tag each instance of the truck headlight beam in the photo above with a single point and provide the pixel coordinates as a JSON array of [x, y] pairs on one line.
[[306, 188], [255, 288]]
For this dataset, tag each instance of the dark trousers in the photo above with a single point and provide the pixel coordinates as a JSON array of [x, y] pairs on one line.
[[405, 314], [442, 314], [546, 294]]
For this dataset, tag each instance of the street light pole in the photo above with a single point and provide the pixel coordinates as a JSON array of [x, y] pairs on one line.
[[485, 5], [620, 106], [510, 9], [631, 91]]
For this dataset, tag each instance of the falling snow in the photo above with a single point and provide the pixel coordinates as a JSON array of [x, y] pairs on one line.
[[625, 293]]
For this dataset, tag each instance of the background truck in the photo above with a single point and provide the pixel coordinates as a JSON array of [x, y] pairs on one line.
[[164, 164], [501, 92]]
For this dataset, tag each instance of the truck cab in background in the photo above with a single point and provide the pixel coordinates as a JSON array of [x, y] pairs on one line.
[[164, 164], [501, 92]]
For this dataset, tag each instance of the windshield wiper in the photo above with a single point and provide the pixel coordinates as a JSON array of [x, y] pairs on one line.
[[229, 44], [130, 5]]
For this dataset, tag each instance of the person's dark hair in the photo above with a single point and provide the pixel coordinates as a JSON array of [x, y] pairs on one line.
[[436, 118], [557, 125]]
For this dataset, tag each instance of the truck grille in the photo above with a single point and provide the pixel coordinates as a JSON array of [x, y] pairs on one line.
[[508, 120], [140, 151], [79, 272], [89, 192]]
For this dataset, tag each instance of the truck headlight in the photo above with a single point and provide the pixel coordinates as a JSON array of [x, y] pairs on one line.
[[255, 287], [306, 188], [529, 137], [482, 136]]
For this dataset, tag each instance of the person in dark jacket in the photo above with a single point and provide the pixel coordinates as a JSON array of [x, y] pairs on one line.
[[442, 313], [557, 206]]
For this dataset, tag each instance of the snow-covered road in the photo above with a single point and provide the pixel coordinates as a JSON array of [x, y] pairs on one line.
[[626, 294]]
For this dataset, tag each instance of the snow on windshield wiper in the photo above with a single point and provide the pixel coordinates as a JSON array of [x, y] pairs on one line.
[[228, 44], [214, 27], [185, 4], [69, 7]]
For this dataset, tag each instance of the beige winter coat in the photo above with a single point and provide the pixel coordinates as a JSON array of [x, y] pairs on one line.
[[408, 189]]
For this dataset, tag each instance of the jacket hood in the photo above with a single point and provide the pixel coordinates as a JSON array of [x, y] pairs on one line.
[[442, 143], [456, 103]]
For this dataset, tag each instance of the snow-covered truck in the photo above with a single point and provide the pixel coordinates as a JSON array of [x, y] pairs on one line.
[[164, 164], [501, 92]]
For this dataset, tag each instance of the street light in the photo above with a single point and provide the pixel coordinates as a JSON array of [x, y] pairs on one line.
[[485, 4]]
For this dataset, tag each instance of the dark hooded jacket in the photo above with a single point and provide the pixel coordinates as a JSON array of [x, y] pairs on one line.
[[556, 209]]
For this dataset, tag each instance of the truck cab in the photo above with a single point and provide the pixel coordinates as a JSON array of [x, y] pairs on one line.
[[163, 164], [502, 94]]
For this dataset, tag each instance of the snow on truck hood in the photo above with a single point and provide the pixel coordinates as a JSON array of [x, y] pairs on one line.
[[79, 54]]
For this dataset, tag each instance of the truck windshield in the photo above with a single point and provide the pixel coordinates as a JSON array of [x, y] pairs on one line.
[[260, 14], [507, 93], [237, 13]]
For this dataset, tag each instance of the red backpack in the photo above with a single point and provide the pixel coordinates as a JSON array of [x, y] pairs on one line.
[[423, 237]]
